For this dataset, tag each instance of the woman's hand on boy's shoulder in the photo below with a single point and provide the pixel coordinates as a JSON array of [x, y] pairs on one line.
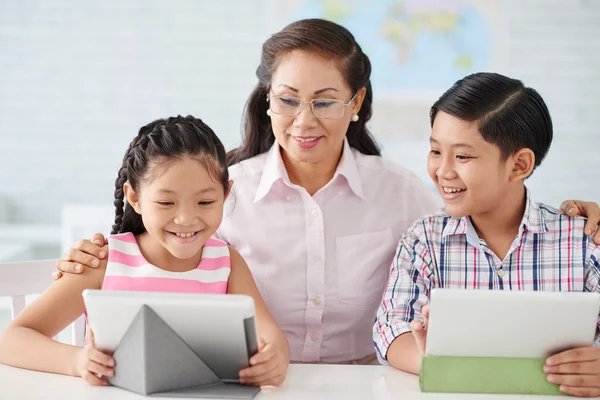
[[269, 365], [577, 371], [587, 209], [84, 253]]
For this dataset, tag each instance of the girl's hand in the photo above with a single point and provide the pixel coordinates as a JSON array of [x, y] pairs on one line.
[[268, 366], [577, 371], [84, 253], [93, 365], [419, 330]]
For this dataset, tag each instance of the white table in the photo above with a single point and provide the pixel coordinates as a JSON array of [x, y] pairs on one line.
[[305, 381]]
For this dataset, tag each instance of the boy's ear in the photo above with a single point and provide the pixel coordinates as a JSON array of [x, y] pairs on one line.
[[132, 197], [523, 164]]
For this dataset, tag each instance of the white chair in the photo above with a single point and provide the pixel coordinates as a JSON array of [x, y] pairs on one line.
[[20, 279], [24, 278], [81, 221]]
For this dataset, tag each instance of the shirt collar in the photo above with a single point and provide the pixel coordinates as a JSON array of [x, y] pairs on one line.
[[348, 169], [274, 170], [532, 221], [533, 218]]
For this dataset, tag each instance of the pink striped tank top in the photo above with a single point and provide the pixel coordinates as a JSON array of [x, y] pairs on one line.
[[127, 269]]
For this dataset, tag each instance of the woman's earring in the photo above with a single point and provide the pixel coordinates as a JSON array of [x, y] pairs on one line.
[[269, 113], [355, 117]]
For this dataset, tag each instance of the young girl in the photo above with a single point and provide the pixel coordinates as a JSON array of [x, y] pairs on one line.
[[175, 179]]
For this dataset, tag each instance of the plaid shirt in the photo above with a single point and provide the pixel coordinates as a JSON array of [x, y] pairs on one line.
[[550, 253]]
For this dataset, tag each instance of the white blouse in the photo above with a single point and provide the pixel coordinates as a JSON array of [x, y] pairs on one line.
[[321, 263]]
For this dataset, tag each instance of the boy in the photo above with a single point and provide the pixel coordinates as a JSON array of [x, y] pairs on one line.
[[489, 133]]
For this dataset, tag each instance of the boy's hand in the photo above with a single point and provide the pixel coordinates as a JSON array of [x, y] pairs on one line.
[[93, 365], [577, 371], [268, 366], [419, 330]]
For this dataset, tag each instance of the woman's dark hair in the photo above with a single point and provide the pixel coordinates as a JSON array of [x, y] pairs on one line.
[[317, 36], [510, 115], [163, 141]]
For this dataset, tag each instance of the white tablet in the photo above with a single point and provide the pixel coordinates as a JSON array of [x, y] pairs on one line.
[[220, 329], [503, 323]]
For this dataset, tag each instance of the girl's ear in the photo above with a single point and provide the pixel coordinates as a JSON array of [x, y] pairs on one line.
[[228, 191], [133, 199]]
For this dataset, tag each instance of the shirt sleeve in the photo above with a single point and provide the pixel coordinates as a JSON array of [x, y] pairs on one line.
[[592, 280], [407, 292]]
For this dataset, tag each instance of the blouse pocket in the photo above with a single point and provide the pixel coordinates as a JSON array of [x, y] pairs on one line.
[[363, 264]]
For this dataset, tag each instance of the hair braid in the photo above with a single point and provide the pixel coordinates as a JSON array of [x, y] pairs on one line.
[[121, 219]]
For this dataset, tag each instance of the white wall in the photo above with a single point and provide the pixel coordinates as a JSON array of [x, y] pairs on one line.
[[78, 79]]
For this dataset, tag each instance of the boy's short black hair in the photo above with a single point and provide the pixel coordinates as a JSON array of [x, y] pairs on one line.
[[510, 115]]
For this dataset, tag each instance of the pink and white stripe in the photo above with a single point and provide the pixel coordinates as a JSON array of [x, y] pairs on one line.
[[128, 269]]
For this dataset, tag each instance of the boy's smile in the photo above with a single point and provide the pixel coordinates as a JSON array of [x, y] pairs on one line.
[[451, 193]]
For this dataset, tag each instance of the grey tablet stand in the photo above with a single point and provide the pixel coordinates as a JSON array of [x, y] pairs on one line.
[[153, 360]]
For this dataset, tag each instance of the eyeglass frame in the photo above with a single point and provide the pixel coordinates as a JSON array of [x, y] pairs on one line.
[[303, 104]]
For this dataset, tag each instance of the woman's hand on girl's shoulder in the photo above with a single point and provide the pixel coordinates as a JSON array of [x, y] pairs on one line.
[[83, 253]]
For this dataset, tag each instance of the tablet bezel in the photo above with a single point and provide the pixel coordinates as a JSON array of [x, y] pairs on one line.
[[503, 323], [225, 344]]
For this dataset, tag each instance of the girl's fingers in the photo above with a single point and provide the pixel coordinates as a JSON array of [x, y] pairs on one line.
[[263, 355], [257, 370], [101, 358], [274, 381], [98, 369], [91, 341], [93, 379], [262, 375]]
